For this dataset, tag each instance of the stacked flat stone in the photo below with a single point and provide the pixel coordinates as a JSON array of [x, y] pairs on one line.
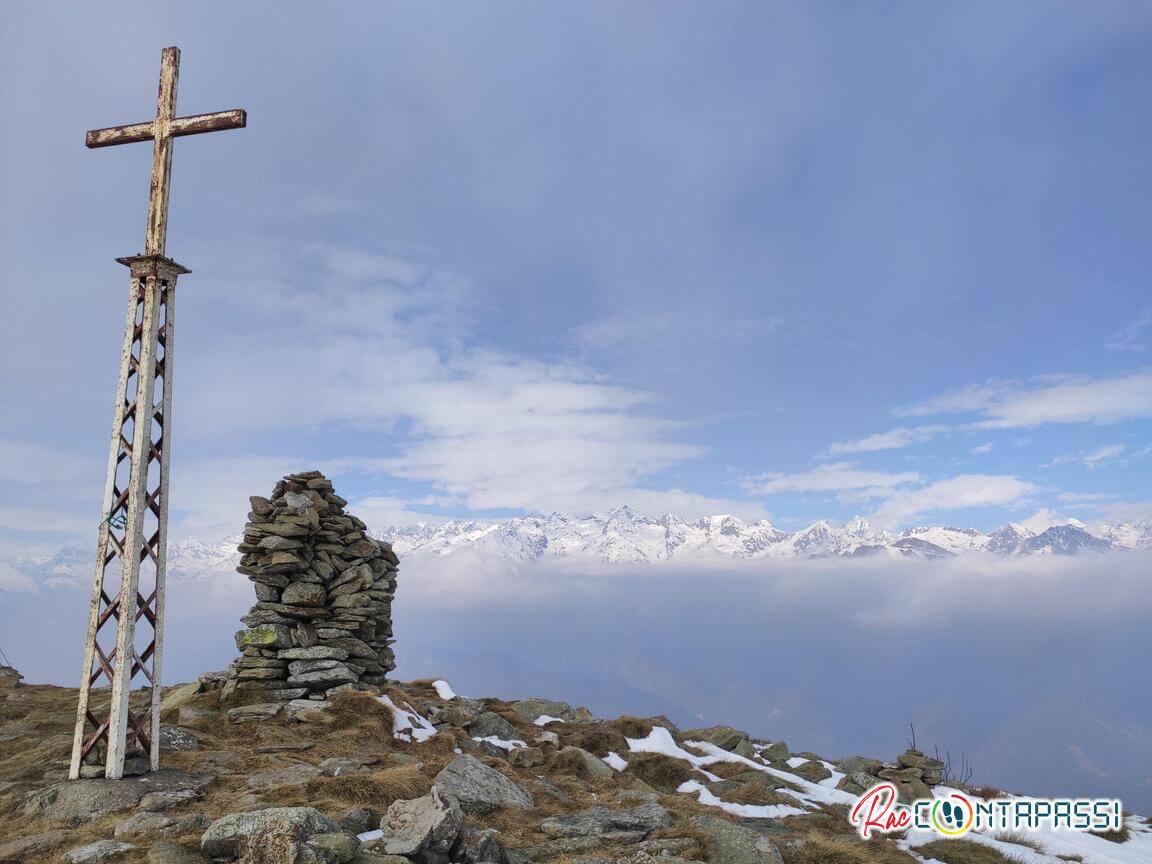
[[323, 617]]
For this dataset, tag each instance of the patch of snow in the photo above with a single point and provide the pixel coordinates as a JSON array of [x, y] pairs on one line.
[[444, 691], [501, 743], [796, 761], [757, 811], [544, 720], [407, 725], [615, 761], [370, 835]]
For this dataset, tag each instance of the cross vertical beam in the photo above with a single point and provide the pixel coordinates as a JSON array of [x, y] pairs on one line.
[[134, 526], [157, 233]]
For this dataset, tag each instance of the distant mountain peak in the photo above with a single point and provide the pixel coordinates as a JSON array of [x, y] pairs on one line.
[[624, 536]]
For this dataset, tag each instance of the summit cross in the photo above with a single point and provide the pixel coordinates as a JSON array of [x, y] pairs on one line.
[[134, 521]]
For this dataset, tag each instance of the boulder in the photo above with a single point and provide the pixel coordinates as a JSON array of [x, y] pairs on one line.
[[724, 737], [144, 823], [609, 824], [857, 782], [292, 775], [729, 843], [156, 802], [298, 823], [101, 850], [775, 752], [73, 800], [176, 696], [177, 739], [858, 763], [337, 848], [259, 711], [480, 789], [164, 852], [586, 765], [532, 709], [31, 848], [489, 725], [421, 828], [479, 845], [526, 757]]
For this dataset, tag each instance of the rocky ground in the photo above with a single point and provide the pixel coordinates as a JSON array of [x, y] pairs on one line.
[[418, 774]]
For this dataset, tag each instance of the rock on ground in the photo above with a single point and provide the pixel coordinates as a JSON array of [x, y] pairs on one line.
[[83, 799], [101, 850], [603, 822], [480, 789], [729, 843], [421, 828], [298, 823]]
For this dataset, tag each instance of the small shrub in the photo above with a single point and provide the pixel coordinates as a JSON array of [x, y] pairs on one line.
[[659, 771]]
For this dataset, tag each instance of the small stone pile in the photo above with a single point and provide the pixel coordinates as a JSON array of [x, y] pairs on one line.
[[322, 622], [913, 774]]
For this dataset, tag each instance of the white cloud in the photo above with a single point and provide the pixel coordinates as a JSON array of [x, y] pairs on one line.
[[25, 462], [831, 477], [394, 362], [12, 579], [893, 439], [1133, 335], [1042, 519], [983, 448], [1067, 399], [1106, 455], [955, 493]]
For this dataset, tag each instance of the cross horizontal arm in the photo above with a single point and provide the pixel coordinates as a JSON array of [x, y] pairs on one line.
[[236, 118]]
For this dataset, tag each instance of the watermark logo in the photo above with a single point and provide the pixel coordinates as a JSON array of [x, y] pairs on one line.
[[956, 814]]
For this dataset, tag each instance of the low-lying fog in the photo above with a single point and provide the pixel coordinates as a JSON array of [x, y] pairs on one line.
[[1037, 669]]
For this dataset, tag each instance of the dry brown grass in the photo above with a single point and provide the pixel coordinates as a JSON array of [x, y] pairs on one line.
[[821, 849], [376, 790], [659, 771], [987, 792], [681, 830], [1020, 838], [829, 819], [597, 738], [964, 852], [756, 793], [1120, 836], [1075, 859], [729, 770], [632, 727]]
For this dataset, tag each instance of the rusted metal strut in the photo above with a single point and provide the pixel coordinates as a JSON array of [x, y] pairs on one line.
[[134, 526]]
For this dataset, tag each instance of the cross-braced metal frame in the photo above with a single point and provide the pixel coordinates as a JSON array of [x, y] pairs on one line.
[[134, 528], [133, 535]]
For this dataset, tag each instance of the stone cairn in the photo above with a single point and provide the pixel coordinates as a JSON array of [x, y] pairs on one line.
[[914, 774], [322, 622]]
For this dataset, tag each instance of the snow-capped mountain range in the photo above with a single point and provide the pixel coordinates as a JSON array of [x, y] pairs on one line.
[[622, 536]]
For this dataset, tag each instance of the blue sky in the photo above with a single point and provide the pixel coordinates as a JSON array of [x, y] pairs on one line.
[[776, 259]]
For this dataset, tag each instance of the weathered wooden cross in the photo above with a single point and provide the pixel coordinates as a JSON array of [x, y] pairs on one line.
[[134, 525]]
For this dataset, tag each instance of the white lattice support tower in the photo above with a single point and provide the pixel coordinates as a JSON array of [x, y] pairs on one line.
[[132, 543]]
